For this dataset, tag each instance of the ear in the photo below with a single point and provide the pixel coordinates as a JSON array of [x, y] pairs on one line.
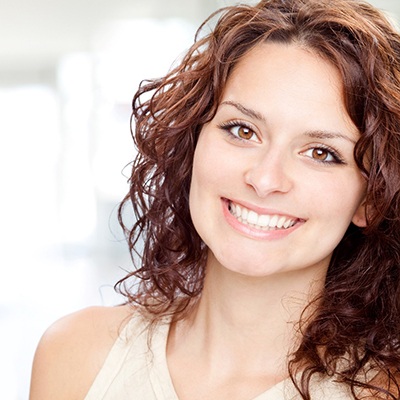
[[360, 216]]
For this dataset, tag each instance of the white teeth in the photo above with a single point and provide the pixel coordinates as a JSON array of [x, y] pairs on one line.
[[280, 222], [287, 224], [273, 221], [252, 218], [265, 222]]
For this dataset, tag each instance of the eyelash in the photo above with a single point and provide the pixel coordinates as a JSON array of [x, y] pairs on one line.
[[227, 128]]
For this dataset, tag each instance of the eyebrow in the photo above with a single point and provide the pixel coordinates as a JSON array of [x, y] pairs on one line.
[[328, 135], [247, 111], [317, 134]]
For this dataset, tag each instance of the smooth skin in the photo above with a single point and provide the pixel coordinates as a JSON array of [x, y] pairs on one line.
[[281, 143], [274, 148], [72, 352]]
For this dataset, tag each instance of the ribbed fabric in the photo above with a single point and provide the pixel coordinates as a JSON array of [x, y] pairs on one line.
[[132, 371]]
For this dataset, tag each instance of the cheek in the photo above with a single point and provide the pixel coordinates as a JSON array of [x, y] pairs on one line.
[[331, 193], [338, 199], [212, 178], [212, 164], [203, 175]]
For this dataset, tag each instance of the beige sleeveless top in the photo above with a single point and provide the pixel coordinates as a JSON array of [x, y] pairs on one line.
[[133, 371]]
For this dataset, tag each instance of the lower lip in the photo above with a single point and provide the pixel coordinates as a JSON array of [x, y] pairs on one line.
[[253, 232]]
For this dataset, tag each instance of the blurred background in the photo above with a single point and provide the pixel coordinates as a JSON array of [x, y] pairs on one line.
[[68, 71]]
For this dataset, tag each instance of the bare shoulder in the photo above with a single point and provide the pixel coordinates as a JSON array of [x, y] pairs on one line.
[[389, 383], [72, 351]]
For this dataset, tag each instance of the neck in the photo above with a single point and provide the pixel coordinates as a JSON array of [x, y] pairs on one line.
[[250, 319]]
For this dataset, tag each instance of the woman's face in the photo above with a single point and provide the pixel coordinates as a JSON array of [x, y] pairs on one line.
[[274, 183]]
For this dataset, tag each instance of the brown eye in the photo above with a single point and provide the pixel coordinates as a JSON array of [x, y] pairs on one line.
[[320, 154], [238, 130], [323, 155], [244, 133]]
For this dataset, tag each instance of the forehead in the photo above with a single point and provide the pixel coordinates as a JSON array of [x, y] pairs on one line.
[[289, 81], [294, 60]]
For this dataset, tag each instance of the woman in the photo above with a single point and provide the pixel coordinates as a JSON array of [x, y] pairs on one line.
[[266, 192]]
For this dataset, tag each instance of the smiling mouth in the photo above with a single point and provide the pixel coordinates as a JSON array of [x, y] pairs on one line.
[[265, 222]]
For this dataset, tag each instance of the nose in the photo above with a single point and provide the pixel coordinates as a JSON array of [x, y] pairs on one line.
[[269, 173]]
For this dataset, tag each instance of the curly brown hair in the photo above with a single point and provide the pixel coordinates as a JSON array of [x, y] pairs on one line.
[[358, 314]]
